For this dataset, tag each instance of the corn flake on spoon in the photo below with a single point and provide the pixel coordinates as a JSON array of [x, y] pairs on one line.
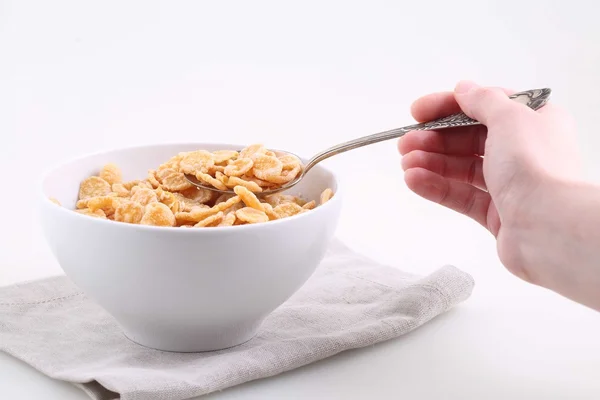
[[534, 99]]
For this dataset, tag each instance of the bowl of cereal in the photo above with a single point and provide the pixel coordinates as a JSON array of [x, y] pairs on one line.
[[178, 267]]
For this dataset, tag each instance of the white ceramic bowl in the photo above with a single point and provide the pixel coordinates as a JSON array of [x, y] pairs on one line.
[[178, 289]]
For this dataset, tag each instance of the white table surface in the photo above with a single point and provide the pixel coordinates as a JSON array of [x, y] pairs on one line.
[[77, 77]]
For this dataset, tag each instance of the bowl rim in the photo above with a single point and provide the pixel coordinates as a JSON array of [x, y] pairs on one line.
[[333, 202]]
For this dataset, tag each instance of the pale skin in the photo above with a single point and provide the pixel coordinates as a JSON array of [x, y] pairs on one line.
[[519, 176]]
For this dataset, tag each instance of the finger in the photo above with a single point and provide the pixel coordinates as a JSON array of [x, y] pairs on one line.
[[457, 196], [468, 140], [434, 105], [438, 105], [466, 169], [487, 105]]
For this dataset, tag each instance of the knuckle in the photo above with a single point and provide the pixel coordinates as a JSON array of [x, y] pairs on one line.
[[471, 173], [469, 202], [415, 158], [487, 94], [444, 194]]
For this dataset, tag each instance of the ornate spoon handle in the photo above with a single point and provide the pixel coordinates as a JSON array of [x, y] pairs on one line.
[[534, 99]]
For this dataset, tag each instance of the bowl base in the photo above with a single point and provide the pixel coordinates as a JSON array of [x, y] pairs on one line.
[[198, 343]]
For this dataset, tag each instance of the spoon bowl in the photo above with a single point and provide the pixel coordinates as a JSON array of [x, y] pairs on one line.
[[534, 99], [265, 192]]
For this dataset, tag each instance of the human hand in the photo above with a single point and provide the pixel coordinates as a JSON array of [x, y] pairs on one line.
[[498, 173]]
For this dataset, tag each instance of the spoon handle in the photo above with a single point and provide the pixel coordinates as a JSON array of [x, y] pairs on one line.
[[534, 99]]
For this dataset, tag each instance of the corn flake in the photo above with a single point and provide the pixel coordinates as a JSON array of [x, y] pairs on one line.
[[144, 196], [158, 214], [286, 176], [228, 220], [251, 186], [185, 204], [222, 156], [326, 196], [266, 167], [310, 205], [216, 168], [129, 212], [175, 182], [169, 199], [223, 197], [227, 204], [252, 150], [196, 215], [96, 213], [107, 204], [131, 184], [93, 186], [287, 210], [173, 163], [260, 182], [198, 195], [278, 198], [210, 180], [120, 190], [251, 215], [197, 161], [268, 209], [152, 179], [248, 197], [289, 161], [222, 177], [111, 174], [213, 220], [238, 167]]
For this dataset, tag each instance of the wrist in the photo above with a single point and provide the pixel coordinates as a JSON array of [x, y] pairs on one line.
[[555, 241]]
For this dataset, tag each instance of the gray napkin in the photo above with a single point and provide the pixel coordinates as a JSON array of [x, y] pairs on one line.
[[349, 302]]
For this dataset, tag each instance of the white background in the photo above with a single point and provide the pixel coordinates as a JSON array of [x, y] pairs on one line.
[[81, 76]]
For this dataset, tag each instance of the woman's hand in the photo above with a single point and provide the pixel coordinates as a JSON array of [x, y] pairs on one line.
[[488, 172], [518, 175]]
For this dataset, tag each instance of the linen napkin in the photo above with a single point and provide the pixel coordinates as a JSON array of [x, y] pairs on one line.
[[349, 302]]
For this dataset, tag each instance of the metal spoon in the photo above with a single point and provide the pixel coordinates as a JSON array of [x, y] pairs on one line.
[[534, 99]]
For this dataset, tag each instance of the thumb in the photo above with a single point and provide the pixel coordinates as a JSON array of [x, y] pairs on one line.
[[486, 105]]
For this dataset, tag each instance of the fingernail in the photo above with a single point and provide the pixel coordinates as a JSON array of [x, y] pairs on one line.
[[464, 87]]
